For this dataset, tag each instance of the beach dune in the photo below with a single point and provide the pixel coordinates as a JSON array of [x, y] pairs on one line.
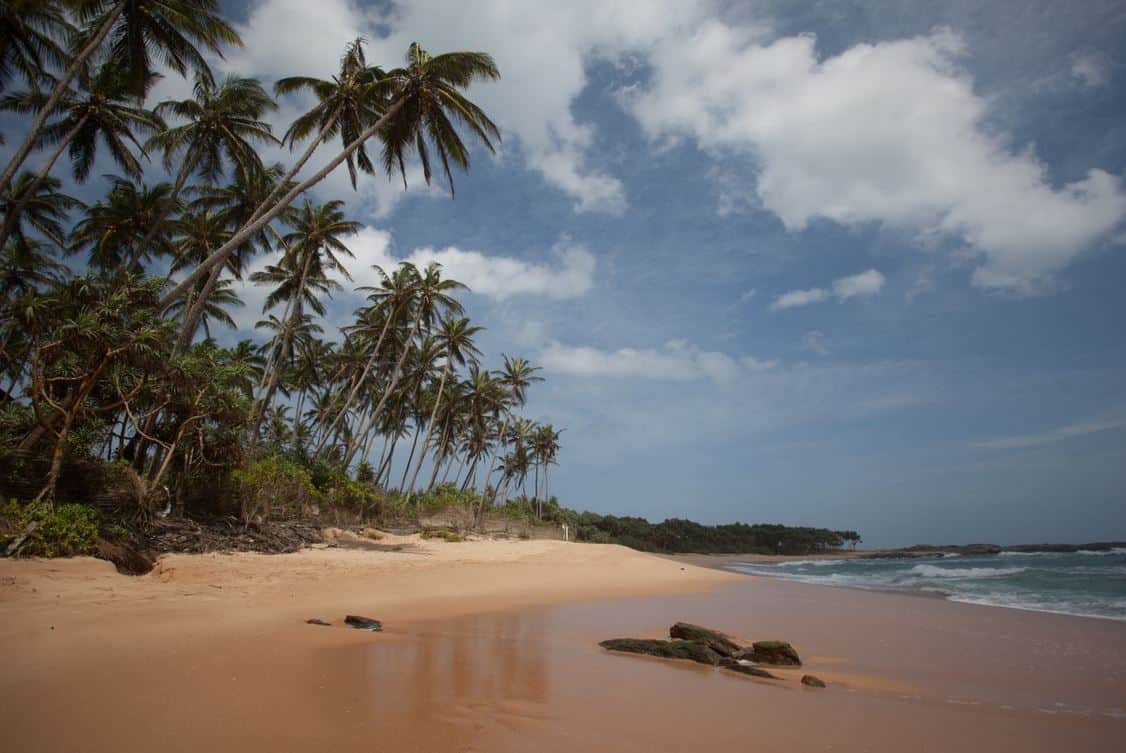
[[492, 645]]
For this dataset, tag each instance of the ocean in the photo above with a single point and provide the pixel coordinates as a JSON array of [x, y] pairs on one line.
[[1089, 584]]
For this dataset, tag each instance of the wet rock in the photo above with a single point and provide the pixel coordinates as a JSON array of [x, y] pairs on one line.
[[371, 533], [363, 623], [713, 639], [811, 681], [689, 650], [317, 621], [779, 653], [746, 669]]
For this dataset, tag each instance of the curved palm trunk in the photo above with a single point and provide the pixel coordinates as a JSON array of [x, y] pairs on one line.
[[14, 213], [287, 336], [430, 425], [410, 459], [368, 367], [499, 444], [395, 376], [195, 311], [56, 94], [224, 252]]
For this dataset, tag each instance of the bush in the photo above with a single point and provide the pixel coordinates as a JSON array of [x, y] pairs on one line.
[[67, 530], [274, 487]]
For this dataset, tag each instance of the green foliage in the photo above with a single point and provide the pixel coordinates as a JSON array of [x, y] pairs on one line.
[[365, 474], [686, 536], [274, 487], [66, 530], [449, 536]]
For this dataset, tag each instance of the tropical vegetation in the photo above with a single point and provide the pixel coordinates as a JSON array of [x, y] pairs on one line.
[[120, 377]]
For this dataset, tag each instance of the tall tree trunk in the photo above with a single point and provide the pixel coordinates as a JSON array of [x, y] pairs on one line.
[[430, 422], [56, 94], [390, 387], [364, 374], [194, 311], [287, 337], [410, 459], [224, 252], [12, 217]]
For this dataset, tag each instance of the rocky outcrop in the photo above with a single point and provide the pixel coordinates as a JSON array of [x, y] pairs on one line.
[[746, 669], [689, 650], [713, 639], [778, 653], [363, 623], [317, 621]]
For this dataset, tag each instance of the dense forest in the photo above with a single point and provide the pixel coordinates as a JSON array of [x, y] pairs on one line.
[[686, 536]]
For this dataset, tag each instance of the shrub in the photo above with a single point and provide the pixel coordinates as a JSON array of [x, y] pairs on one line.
[[274, 487], [67, 530]]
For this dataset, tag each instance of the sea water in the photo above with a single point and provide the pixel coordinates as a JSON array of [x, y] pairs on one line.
[[1090, 584]]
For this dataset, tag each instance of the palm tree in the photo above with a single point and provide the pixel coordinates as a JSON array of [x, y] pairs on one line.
[[433, 297], [113, 229], [302, 276], [427, 84], [35, 205], [101, 111], [138, 31], [345, 104], [30, 31], [456, 337], [389, 302], [516, 376]]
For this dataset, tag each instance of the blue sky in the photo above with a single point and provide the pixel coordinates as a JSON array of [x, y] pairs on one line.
[[843, 264]]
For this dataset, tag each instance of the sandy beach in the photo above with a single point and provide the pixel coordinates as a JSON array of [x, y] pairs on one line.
[[492, 646]]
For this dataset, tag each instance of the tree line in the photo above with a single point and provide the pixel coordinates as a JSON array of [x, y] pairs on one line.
[[109, 307]]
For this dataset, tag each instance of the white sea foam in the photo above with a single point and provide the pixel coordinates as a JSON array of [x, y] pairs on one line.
[[934, 571]]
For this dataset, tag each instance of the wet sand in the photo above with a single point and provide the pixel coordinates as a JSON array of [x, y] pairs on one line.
[[492, 647]]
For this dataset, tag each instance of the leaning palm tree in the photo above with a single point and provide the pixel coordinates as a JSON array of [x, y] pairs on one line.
[[433, 297], [101, 112], [220, 125], [456, 337], [345, 105], [302, 276], [141, 33], [420, 91]]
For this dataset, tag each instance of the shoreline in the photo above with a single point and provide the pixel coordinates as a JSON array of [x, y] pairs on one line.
[[721, 561], [492, 646]]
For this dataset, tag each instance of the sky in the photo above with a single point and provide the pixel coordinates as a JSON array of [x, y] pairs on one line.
[[844, 264]]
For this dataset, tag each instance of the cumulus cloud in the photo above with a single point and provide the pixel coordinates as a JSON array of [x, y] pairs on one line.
[[862, 285], [888, 133], [799, 298], [570, 274], [677, 361]]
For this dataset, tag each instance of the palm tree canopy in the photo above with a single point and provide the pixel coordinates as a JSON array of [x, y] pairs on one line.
[[30, 31], [432, 102]]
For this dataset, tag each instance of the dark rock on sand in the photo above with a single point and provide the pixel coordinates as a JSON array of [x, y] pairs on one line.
[[317, 621], [713, 639], [746, 669], [363, 623], [690, 650], [811, 681], [779, 653]]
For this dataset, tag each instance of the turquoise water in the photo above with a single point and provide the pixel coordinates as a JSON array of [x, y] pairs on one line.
[[1091, 584]]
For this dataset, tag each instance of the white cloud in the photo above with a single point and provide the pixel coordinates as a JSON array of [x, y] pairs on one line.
[[1093, 72], [889, 133], [747, 296], [542, 51], [1071, 431], [570, 275], [862, 285], [677, 361], [799, 298]]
